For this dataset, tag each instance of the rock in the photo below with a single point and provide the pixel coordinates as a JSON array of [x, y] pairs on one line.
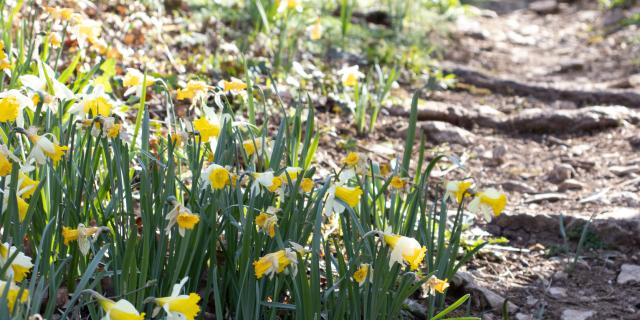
[[517, 186], [557, 292], [629, 273], [570, 184], [551, 197], [466, 281], [523, 316], [560, 173], [487, 116], [635, 142], [572, 314], [622, 171], [625, 198], [583, 119], [560, 275], [544, 6], [634, 80], [441, 132]]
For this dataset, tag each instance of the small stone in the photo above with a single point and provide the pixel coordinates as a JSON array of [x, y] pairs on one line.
[[557, 292], [560, 275], [440, 132], [572, 314], [523, 316], [635, 142], [544, 6], [570, 184], [629, 273], [517, 186], [531, 301], [625, 198], [560, 173]]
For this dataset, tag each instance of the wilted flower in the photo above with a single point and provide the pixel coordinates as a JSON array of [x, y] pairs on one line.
[[267, 221], [183, 217], [489, 203], [81, 234], [436, 285], [179, 306]]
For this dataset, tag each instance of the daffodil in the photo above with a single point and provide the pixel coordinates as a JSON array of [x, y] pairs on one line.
[[179, 306], [12, 103], [182, 216], [489, 203], [12, 294], [217, 176], [235, 86], [60, 13], [6, 161], [267, 221], [457, 189], [350, 75], [133, 82], [96, 103], [206, 128], [286, 5], [291, 173], [81, 234], [364, 271], [276, 262], [315, 30], [385, 169], [40, 87], [264, 179], [404, 250], [349, 195], [121, 310], [44, 148], [352, 159], [26, 185], [20, 266], [436, 285], [306, 185], [398, 183], [194, 90], [85, 30]]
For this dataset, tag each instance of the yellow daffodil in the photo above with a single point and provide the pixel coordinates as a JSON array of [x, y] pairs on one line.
[[234, 86], [290, 173], [81, 234], [46, 84], [44, 148], [55, 40], [315, 30], [12, 294], [264, 179], [404, 250], [306, 185], [12, 103], [182, 216], [85, 30], [352, 159], [276, 262], [4, 62], [60, 13], [349, 195], [385, 169], [180, 306], [6, 161], [398, 183], [350, 76], [267, 221], [20, 266], [26, 186], [456, 189], [217, 176], [96, 103], [364, 271], [195, 90], [489, 203], [133, 82], [206, 129], [276, 184], [121, 310]]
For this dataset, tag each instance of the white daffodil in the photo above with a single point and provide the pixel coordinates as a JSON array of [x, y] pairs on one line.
[[95, 103], [44, 148], [179, 306], [489, 203], [277, 262], [457, 189], [12, 104], [216, 176], [12, 294], [133, 82], [350, 75], [182, 216], [349, 195], [83, 235], [38, 84], [20, 266], [286, 5], [120, 310], [264, 179], [404, 250]]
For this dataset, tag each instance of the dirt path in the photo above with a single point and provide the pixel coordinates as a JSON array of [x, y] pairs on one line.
[[554, 153]]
